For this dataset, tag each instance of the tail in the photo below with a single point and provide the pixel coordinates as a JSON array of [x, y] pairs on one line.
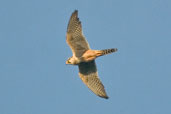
[[106, 51]]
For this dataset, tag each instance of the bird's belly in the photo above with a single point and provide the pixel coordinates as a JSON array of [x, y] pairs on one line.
[[89, 55]]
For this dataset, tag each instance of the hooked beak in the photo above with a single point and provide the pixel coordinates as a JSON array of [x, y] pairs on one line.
[[66, 63]]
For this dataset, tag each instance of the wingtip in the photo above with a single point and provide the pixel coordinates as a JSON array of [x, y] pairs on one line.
[[105, 97], [75, 11]]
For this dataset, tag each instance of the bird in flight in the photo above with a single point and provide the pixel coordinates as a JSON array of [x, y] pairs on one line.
[[85, 57]]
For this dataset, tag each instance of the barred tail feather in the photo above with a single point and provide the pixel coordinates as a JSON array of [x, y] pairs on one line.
[[107, 51]]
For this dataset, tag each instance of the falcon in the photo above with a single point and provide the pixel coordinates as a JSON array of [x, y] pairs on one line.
[[84, 57]]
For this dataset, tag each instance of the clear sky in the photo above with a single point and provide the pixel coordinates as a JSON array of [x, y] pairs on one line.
[[35, 80]]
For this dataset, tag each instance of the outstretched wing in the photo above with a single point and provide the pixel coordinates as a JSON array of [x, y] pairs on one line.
[[88, 74], [74, 37]]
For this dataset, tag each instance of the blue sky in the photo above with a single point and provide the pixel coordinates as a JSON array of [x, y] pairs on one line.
[[35, 80]]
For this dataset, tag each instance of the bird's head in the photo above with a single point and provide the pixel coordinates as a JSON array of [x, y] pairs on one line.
[[69, 61], [73, 61]]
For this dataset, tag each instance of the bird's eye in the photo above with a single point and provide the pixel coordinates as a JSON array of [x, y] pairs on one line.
[[68, 61]]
